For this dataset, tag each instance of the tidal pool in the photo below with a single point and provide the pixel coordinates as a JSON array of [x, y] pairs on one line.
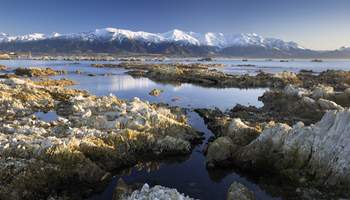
[[189, 174]]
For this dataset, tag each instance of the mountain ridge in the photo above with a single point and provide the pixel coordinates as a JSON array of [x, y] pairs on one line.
[[191, 38], [174, 42]]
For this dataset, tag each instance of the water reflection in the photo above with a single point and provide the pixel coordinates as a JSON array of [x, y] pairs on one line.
[[188, 175], [185, 95], [46, 116]]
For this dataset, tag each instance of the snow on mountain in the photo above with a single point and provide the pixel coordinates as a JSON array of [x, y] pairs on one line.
[[30, 37], [179, 36], [186, 38]]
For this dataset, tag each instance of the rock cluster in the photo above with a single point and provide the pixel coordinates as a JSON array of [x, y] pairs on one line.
[[156, 192], [206, 75], [315, 155], [291, 105], [36, 71], [92, 136]]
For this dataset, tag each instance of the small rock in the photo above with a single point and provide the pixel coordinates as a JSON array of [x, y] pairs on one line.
[[155, 92]]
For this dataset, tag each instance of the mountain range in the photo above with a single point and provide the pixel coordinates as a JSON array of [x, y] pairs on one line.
[[175, 42]]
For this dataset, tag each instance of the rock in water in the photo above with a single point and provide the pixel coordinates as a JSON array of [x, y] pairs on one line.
[[36, 71], [157, 192], [155, 92], [237, 191], [2, 67]]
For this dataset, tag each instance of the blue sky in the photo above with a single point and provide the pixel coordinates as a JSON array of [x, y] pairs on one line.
[[318, 24]]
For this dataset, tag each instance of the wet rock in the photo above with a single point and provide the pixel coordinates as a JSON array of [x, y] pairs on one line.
[[33, 71], [220, 152], [122, 190], [237, 191], [156, 92]]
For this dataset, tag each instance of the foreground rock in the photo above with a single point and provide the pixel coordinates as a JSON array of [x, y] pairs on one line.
[[147, 192], [310, 156], [35, 71], [237, 191], [73, 155]]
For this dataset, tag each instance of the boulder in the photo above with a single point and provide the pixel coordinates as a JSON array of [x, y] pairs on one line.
[[220, 151], [322, 91], [156, 192], [237, 191]]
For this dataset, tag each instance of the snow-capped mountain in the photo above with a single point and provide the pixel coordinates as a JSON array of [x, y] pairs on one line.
[[22, 38], [175, 36], [174, 42]]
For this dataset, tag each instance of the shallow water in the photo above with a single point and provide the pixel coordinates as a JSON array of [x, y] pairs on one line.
[[47, 117], [275, 66], [189, 175], [231, 65]]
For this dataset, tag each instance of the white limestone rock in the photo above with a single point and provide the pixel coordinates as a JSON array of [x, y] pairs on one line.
[[157, 192]]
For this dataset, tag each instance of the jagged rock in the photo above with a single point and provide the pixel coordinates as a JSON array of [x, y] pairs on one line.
[[156, 192], [317, 155], [328, 105], [321, 91], [293, 90], [237, 191], [92, 136], [288, 77], [240, 133]]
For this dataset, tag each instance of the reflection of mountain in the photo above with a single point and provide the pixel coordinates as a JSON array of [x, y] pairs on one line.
[[125, 82]]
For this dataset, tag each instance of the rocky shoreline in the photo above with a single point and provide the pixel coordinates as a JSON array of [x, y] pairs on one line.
[[91, 137], [274, 139], [207, 75], [300, 134]]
